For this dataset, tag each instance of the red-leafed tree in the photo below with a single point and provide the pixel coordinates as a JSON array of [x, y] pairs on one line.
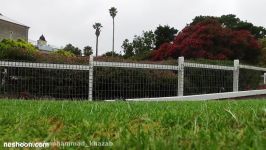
[[209, 39]]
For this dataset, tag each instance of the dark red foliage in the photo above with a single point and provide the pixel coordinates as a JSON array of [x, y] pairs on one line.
[[210, 40], [25, 95], [261, 87], [166, 50]]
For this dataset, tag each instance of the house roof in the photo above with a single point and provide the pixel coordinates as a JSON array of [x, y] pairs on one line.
[[11, 21], [42, 38], [46, 48]]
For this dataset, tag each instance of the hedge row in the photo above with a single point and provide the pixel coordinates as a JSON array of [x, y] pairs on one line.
[[109, 83]]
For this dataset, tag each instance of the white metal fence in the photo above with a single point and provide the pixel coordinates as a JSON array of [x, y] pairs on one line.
[[130, 81]]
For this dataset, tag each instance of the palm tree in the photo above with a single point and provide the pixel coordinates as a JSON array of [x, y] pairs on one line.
[[113, 12], [97, 27]]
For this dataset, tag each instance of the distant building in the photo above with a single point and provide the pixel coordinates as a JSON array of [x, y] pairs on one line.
[[43, 46], [42, 41], [10, 29]]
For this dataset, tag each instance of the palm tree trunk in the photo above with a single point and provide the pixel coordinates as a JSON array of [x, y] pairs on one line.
[[97, 46], [113, 36]]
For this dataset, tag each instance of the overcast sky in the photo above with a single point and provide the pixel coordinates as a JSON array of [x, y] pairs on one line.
[[70, 21]]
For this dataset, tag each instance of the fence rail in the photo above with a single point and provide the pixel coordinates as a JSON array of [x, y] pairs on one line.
[[205, 97], [135, 66], [252, 68], [43, 65], [207, 66], [130, 81]]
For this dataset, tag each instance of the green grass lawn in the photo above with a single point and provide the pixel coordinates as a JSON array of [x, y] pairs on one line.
[[137, 125]]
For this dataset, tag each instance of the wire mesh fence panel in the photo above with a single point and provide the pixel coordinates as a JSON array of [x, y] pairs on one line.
[[38, 80], [115, 80], [251, 79], [206, 79], [132, 81]]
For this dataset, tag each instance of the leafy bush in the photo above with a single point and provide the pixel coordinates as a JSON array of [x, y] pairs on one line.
[[210, 40], [113, 54], [60, 59], [17, 50], [117, 83], [250, 79], [73, 49], [44, 83], [263, 52], [6, 44], [20, 54], [64, 53], [23, 51]]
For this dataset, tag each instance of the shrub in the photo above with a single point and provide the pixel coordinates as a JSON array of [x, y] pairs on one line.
[[117, 83], [64, 53], [17, 50], [61, 59], [6, 44], [15, 53], [210, 40], [73, 49], [113, 54], [263, 52]]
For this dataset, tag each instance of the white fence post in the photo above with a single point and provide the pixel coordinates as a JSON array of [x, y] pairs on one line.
[[180, 76], [264, 77], [91, 79], [236, 76]]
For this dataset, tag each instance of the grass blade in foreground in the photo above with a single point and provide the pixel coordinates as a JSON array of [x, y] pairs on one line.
[[137, 125]]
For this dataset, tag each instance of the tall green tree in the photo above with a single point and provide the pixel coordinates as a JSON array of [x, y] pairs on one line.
[[88, 51], [113, 11], [128, 48], [140, 46], [164, 34], [72, 49], [97, 27]]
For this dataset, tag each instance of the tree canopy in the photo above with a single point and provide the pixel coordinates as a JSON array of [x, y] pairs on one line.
[[72, 49], [164, 34], [113, 11], [142, 45], [234, 23], [211, 40], [87, 51], [97, 26], [111, 53]]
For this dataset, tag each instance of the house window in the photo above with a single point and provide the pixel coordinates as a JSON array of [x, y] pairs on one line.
[[11, 35]]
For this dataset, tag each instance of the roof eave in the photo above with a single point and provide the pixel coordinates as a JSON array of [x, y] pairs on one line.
[[16, 23]]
